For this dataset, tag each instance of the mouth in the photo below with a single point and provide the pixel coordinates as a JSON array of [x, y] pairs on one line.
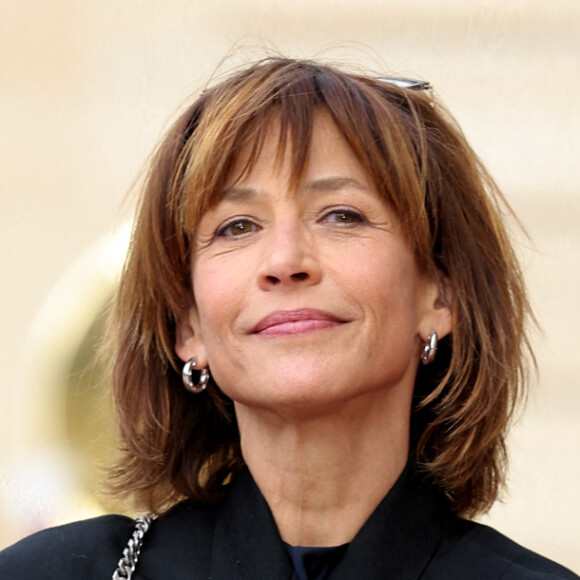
[[285, 322]]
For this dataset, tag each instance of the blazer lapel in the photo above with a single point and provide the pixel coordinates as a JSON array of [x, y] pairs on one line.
[[246, 542], [400, 538]]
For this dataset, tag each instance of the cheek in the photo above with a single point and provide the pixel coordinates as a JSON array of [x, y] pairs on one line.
[[219, 293], [380, 275], [387, 286], [212, 283]]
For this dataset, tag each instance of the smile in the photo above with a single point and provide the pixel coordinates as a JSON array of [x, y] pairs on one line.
[[285, 322]]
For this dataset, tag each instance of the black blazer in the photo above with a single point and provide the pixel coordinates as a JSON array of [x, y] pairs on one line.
[[411, 535]]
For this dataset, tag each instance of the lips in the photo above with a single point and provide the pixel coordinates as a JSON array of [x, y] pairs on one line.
[[283, 322]]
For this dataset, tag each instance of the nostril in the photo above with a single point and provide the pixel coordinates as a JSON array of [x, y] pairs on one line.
[[299, 276], [272, 279]]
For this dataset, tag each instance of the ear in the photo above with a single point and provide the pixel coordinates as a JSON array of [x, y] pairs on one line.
[[188, 340], [437, 315]]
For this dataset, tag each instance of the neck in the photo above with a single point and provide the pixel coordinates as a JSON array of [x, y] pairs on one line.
[[323, 476]]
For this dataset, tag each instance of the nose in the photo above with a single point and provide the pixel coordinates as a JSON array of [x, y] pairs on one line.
[[290, 258]]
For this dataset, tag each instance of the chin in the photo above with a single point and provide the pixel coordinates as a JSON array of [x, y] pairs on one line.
[[300, 399]]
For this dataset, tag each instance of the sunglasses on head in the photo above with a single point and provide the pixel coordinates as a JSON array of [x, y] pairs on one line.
[[405, 83]]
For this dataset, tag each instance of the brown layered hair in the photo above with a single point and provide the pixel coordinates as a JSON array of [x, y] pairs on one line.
[[176, 445]]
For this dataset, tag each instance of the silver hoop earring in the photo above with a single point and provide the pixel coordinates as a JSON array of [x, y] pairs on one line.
[[429, 348], [187, 377]]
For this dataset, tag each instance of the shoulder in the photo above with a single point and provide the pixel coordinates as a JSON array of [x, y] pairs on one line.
[[91, 549], [472, 550], [86, 549], [180, 541]]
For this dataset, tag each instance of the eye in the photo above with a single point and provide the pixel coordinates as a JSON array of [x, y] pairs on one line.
[[236, 228], [343, 216]]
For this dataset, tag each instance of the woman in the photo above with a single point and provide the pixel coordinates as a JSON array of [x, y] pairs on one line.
[[319, 339]]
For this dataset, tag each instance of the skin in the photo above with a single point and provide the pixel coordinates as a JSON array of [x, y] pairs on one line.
[[311, 313]]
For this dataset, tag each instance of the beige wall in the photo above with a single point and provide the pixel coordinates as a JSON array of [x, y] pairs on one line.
[[86, 90]]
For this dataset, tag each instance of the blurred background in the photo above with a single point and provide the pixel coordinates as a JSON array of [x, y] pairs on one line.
[[86, 90]]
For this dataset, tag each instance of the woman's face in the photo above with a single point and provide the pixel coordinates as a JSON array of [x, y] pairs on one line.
[[306, 299]]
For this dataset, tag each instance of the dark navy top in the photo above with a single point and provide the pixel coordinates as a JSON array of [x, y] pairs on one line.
[[314, 563]]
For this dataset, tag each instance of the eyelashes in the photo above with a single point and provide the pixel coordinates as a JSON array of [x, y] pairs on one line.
[[343, 216], [237, 227], [243, 226]]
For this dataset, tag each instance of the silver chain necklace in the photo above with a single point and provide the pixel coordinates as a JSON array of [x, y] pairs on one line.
[[128, 562]]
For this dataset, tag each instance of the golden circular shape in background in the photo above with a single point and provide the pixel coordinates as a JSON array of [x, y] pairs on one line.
[[67, 413]]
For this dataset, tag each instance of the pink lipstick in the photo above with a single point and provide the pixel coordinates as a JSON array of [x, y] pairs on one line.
[[283, 322]]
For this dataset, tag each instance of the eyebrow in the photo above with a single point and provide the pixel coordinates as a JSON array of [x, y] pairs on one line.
[[320, 185], [240, 194], [334, 183]]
